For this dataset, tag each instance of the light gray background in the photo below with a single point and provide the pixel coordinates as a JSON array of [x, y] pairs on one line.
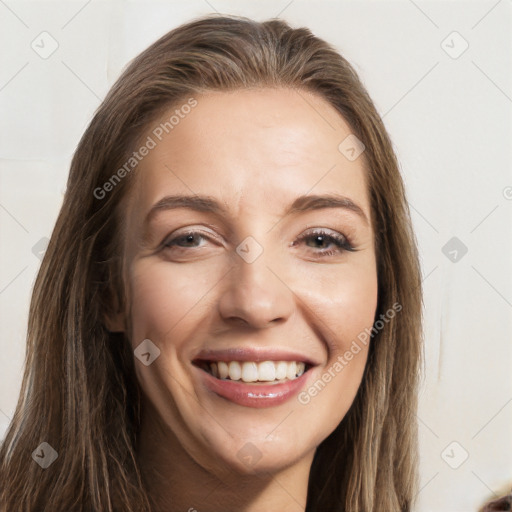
[[449, 116]]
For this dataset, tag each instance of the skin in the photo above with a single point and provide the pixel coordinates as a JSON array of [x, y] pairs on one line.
[[254, 151]]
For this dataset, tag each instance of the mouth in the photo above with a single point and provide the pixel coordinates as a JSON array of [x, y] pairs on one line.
[[253, 376], [254, 372]]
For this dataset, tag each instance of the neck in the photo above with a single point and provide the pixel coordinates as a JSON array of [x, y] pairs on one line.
[[175, 482]]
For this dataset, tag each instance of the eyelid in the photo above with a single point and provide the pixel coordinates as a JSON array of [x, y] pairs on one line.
[[194, 229], [327, 231]]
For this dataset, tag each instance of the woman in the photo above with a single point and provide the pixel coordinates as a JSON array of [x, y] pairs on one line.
[[228, 315]]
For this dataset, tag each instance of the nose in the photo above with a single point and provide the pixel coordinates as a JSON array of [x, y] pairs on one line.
[[255, 294]]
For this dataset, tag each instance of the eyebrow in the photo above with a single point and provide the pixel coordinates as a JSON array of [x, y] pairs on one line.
[[209, 204]]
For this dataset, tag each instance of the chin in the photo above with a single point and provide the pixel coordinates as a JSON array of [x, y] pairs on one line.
[[255, 449]]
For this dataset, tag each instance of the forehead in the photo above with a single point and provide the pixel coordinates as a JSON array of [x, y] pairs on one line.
[[254, 149]]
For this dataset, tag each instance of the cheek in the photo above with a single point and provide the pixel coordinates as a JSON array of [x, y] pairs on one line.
[[165, 302], [167, 305], [343, 302]]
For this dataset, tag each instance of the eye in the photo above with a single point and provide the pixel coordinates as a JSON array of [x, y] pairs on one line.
[[185, 240], [329, 243]]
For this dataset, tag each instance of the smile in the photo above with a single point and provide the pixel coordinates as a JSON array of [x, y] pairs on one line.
[[252, 371], [252, 378]]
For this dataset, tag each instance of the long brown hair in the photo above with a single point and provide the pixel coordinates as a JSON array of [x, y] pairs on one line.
[[79, 391]]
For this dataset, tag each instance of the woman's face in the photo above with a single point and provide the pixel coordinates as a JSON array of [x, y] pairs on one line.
[[235, 257]]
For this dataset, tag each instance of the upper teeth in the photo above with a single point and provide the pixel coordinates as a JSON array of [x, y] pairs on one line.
[[250, 371]]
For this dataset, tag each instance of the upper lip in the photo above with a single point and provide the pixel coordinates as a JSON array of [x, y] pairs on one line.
[[253, 354]]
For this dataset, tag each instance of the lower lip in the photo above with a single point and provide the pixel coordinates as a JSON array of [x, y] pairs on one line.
[[254, 395]]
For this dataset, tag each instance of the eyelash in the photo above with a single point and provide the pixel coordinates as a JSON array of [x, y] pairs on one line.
[[340, 241]]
